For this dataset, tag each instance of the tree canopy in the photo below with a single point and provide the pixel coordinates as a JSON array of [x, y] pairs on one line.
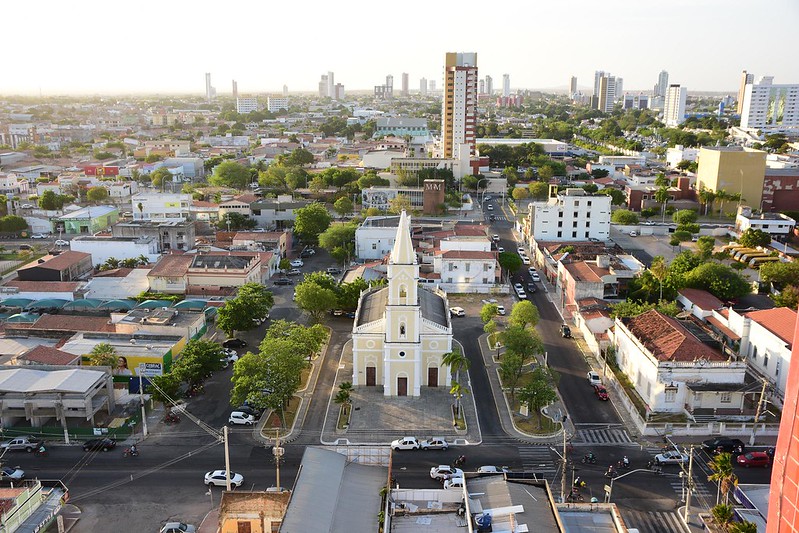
[[252, 303], [720, 280], [310, 222], [230, 174], [97, 194], [624, 216], [339, 240], [752, 238]]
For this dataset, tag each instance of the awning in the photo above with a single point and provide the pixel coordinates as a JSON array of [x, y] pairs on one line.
[[197, 305], [724, 330], [114, 305], [154, 304], [48, 303], [83, 303]]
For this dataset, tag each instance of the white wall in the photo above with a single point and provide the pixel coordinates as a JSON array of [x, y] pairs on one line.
[[374, 243], [101, 251]]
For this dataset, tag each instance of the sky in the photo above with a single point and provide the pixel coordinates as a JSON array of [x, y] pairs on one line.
[[166, 46]]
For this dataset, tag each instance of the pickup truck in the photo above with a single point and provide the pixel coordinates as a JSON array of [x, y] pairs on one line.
[[26, 443]]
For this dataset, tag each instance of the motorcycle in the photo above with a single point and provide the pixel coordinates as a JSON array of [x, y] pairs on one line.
[[171, 418], [579, 483], [41, 452], [132, 452], [611, 473], [460, 461], [588, 458]]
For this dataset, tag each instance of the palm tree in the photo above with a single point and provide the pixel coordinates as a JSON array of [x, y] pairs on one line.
[[458, 391], [721, 465], [722, 196], [722, 515], [743, 527], [706, 197], [662, 197], [456, 361], [103, 354], [660, 272]]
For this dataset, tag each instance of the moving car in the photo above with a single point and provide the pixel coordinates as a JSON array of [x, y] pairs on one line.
[[103, 444], [283, 281], [442, 472], [454, 483], [531, 287], [294, 272], [234, 343], [26, 206], [241, 419], [457, 311], [501, 310], [177, 527], [405, 443], [726, 444], [61, 242], [488, 469], [534, 275], [754, 459], [490, 207], [217, 477], [594, 379], [25, 442], [296, 263], [601, 392], [11, 474], [38, 236], [565, 331], [435, 443], [671, 457]]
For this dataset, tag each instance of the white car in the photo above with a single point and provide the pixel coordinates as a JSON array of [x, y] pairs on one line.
[[38, 236], [534, 276], [217, 477], [297, 263], [532, 271], [671, 457], [490, 207], [454, 483], [26, 206], [492, 470], [521, 250], [633, 233], [241, 419], [594, 379], [435, 443], [501, 310], [61, 242], [495, 238], [457, 311], [525, 260], [443, 472], [500, 249], [13, 474], [178, 527], [405, 443]]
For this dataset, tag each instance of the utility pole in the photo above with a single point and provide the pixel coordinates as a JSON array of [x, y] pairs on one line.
[[227, 461], [565, 460], [690, 490], [141, 401], [759, 410], [277, 451]]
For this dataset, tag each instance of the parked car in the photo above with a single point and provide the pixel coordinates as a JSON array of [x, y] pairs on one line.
[[294, 272], [671, 457], [565, 331], [525, 260], [435, 443], [308, 252], [246, 409], [217, 477], [488, 469], [11, 474], [594, 379], [457, 311], [177, 527], [283, 281], [490, 207], [61, 242], [531, 287], [754, 459], [25, 442], [104, 444], [601, 392], [442, 472], [405, 443], [500, 249], [241, 419], [633, 233], [38, 236], [454, 483], [26, 206], [495, 238], [534, 276], [520, 291], [234, 343], [521, 250], [501, 310], [333, 271], [724, 443], [296, 263]]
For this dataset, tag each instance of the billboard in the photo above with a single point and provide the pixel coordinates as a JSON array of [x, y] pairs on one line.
[[101, 171], [132, 365]]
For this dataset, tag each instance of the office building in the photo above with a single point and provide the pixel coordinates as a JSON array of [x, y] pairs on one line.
[[783, 503], [331, 85], [431, 86], [481, 87], [746, 79], [573, 85], [636, 101], [235, 89], [405, 91], [619, 89], [275, 104], [662, 85], [285, 90], [489, 85], [423, 86], [246, 105], [338, 92], [506, 85], [459, 110], [323, 86], [674, 105], [771, 108], [210, 92], [734, 169]]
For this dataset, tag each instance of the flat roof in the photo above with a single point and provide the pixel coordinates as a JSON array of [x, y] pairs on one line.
[[145, 345], [89, 212], [26, 380]]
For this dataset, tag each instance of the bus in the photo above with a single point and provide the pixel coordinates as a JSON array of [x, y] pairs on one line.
[[745, 258], [741, 251], [731, 247], [757, 261]]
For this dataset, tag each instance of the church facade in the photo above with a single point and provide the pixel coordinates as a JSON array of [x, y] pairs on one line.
[[401, 332]]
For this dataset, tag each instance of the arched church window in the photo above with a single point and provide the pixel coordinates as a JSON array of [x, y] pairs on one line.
[[403, 291], [402, 330]]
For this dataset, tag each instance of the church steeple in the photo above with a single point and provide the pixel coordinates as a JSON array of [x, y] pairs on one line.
[[403, 253], [403, 269]]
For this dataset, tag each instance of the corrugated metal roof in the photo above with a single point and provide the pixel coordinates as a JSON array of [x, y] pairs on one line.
[[26, 380]]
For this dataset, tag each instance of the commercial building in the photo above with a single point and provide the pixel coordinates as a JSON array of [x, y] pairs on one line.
[[148, 355], [746, 79], [780, 189], [66, 266], [102, 248], [572, 215], [160, 206], [246, 105], [401, 126], [733, 169], [211, 271], [770, 108], [459, 109], [275, 104], [86, 220], [778, 225], [662, 85], [170, 235], [674, 105]]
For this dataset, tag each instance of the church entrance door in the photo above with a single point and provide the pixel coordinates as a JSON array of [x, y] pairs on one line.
[[371, 376], [402, 386], [432, 376]]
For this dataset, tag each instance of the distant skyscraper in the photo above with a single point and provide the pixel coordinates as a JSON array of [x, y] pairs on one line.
[[619, 92], [246, 105], [598, 75], [338, 92], [331, 85], [489, 85], [423, 86], [274, 104], [605, 91], [506, 85], [209, 90], [404, 84], [323, 86], [745, 79], [573, 85], [459, 109], [235, 89], [285, 90], [662, 85], [674, 106], [431, 85], [481, 87], [771, 108]]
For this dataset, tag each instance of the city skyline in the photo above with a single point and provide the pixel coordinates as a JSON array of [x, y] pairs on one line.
[[706, 60]]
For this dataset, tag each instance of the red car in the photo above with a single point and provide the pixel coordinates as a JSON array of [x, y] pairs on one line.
[[601, 392], [754, 459]]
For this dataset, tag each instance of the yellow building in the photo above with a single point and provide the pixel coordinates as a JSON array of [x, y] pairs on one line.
[[735, 170], [402, 331]]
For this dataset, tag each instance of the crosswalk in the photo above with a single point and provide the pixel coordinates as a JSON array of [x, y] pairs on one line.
[[602, 437], [653, 521], [538, 459]]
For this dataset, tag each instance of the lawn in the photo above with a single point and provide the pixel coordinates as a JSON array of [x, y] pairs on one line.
[[535, 423], [344, 416], [273, 422]]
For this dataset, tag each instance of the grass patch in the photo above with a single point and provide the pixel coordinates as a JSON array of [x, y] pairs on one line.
[[458, 421], [273, 422], [304, 376], [344, 416], [533, 424]]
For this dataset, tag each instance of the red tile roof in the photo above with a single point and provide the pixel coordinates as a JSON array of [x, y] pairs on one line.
[[114, 273], [467, 254], [203, 203], [44, 286], [581, 271], [247, 198], [780, 321], [668, 340], [49, 356], [702, 299], [64, 260], [75, 323], [172, 266]]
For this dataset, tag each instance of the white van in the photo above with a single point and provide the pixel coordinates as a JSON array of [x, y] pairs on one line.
[[454, 483], [241, 419]]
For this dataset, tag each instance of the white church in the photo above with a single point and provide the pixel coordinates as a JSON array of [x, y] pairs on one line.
[[402, 331]]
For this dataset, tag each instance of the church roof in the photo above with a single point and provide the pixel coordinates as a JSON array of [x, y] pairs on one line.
[[403, 252], [373, 306]]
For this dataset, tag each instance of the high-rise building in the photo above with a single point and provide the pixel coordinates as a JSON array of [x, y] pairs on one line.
[[771, 108], [489, 85], [275, 104], [573, 85], [385, 91], [506, 85], [619, 92], [459, 109], [674, 105], [598, 75], [338, 92], [285, 90], [604, 93], [423, 86], [783, 502], [209, 90], [323, 86], [662, 85], [246, 105], [746, 79], [331, 85], [481, 86], [405, 84], [431, 86], [235, 89]]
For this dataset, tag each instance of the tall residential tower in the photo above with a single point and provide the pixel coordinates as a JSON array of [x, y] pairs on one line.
[[674, 106], [746, 78], [459, 110]]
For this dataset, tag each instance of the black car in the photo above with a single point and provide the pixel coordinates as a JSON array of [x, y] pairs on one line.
[[283, 281], [724, 444], [492, 218], [249, 410], [531, 287], [565, 331], [234, 343], [103, 444]]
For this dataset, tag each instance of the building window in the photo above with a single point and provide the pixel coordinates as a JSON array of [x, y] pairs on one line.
[[467, 266], [765, 360], [243, 527], [574, 234], [725, 397], [586, 234], [577, 203], [589, 205], [486, 267], [574, 224], [754, 353], [560, 223], [576, 214], [402, 331], [560, 234], [485, 280], [671, 395], [587, 214], [560, 214], [374, 246], [449, 267], [587, 224]]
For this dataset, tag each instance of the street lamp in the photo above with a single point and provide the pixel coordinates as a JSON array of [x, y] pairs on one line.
[[609, 489]]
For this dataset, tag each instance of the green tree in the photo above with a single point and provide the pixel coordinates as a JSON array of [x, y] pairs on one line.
[[662, 196], [339, 240], [705, 246], [743, 527], [236, 221], [685, 216], [490, 327], [252, 303], [780, 274], [300, 157], [648, 212], [520, 193], [456, 361], [349, 293], [538, 393], [199, 358], [160, 176], [103, 354], [97, 194], [51, 201], [545, 173], [343, 396], [706, 198], [524, 314], [629, 309], [164, 389], [787, 297], [314, 299], [722, 515], [285, 264], [12, 223], [617, 197], [752, 238], [510, 262], [398, 204], [723, 475], [488, 312], [510, 370], [310, 221], [625, 217], [230, 174], [343, 206], [538, 190], [660, 271], [307, 339], [719, 280], [682, 235]]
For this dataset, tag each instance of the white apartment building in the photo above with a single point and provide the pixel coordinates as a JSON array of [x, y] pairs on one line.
[[680, 153], [160, 206], [572, 215], [246, 105], [459, 109], [769, 107], [506, 85], [674, 105], [374, 238], [275, 104], [775, 224], [466, 271], [104, 248]]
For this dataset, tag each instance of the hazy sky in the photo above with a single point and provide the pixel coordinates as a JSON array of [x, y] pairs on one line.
[[93, 46]]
